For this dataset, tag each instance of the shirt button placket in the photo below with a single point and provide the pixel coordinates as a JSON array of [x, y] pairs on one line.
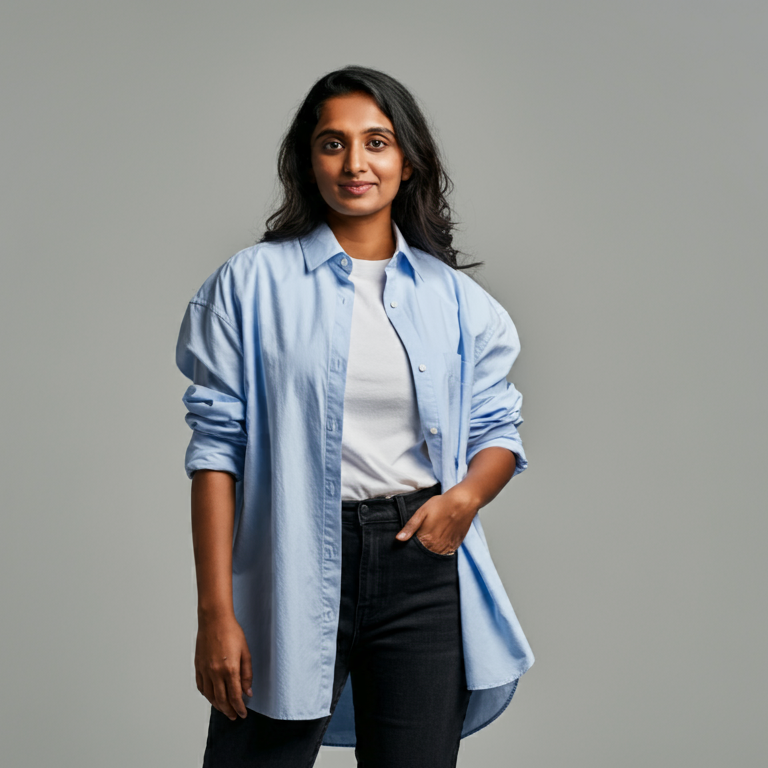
[[331, 574], [422, 395]]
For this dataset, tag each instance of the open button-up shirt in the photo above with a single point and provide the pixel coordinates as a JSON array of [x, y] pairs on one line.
[[265, 342]]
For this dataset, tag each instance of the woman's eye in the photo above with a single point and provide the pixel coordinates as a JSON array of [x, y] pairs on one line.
[[328, 145], [378, 143]]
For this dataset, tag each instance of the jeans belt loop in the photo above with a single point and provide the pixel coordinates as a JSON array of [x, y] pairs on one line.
[[401, 509]]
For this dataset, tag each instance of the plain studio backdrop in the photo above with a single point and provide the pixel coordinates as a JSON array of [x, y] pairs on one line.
[[610, 166]]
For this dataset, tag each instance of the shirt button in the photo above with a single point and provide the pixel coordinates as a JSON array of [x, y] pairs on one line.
[[433, 430], [422, 367], [343, 262], [392, 303]]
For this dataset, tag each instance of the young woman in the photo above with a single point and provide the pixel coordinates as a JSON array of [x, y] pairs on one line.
[[350, 415]]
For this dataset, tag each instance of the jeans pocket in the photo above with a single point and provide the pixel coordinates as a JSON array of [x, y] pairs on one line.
[[428, 551]]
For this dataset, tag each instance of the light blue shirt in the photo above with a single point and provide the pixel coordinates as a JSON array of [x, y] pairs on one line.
[[265, 341]]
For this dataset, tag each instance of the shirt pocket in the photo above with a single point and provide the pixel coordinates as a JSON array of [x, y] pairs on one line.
[[456, 366]]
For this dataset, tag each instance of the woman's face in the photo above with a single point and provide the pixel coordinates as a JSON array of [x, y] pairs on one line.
[[357, 163]]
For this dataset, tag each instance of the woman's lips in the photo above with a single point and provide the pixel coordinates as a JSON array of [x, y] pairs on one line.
[[356, 189]]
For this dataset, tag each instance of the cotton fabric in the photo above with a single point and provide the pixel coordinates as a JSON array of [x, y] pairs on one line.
[[265, 341]]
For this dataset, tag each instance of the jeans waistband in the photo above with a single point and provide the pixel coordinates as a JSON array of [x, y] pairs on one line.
[[381, 508]]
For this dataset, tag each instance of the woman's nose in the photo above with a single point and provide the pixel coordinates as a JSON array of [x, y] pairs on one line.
[[355, 161]]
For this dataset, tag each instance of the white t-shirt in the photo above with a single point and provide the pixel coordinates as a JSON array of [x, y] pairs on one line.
[[383, 450]]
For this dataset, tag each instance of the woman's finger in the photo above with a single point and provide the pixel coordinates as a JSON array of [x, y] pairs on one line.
[[246, 672], [208, 691], [413, 524], [235, 692], [222, 701]]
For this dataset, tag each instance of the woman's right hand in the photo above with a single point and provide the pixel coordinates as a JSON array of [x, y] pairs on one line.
[[223, 664]]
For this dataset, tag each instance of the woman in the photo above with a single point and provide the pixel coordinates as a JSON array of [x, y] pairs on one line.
[[350, 416]]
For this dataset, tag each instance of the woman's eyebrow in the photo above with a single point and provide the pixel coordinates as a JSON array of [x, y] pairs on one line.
[[336, 132]]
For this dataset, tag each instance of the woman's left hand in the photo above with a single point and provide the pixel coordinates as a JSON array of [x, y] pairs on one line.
[[442, 522]]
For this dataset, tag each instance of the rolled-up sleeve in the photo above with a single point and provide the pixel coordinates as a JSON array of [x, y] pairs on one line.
[[495, 410], [209, 352]]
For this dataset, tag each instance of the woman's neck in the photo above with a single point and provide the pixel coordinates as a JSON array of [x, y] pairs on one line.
[[364, 237]]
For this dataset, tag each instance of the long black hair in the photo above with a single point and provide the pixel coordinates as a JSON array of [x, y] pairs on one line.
[[420, 208]]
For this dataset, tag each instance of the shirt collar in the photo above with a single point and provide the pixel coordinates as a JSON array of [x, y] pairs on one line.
[[321, 244]]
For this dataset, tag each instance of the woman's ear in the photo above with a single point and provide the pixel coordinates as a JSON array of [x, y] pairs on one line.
[[407, 170]]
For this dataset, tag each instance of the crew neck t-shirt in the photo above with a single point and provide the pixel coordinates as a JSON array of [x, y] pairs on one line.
[[383, 449]]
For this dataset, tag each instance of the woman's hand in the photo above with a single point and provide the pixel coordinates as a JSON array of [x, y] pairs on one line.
[[223, 664], [443, 521]]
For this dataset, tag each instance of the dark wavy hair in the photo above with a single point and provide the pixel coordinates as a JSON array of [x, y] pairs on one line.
[[420, 208]]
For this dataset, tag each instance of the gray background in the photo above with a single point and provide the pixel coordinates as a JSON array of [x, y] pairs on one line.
[[610, 167]]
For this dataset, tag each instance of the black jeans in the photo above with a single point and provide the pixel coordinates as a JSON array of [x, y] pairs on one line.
[[399, 637]]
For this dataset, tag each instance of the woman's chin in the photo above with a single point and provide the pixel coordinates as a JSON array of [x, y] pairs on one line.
[[357, 207]]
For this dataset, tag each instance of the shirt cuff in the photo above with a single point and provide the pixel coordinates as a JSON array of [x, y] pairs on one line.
[[208, 452], [510, 443]]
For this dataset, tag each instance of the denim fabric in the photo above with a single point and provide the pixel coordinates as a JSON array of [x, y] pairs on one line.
[[398, 643]]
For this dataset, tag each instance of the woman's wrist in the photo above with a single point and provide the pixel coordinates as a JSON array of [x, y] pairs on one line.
[[466, 497], [214, 612], [488, 472]]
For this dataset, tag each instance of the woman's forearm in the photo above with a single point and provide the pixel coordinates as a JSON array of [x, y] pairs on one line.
[[213, 515], [488, 472]]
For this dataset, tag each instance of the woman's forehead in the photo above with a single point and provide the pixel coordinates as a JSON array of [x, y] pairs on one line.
[[352, 111]]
